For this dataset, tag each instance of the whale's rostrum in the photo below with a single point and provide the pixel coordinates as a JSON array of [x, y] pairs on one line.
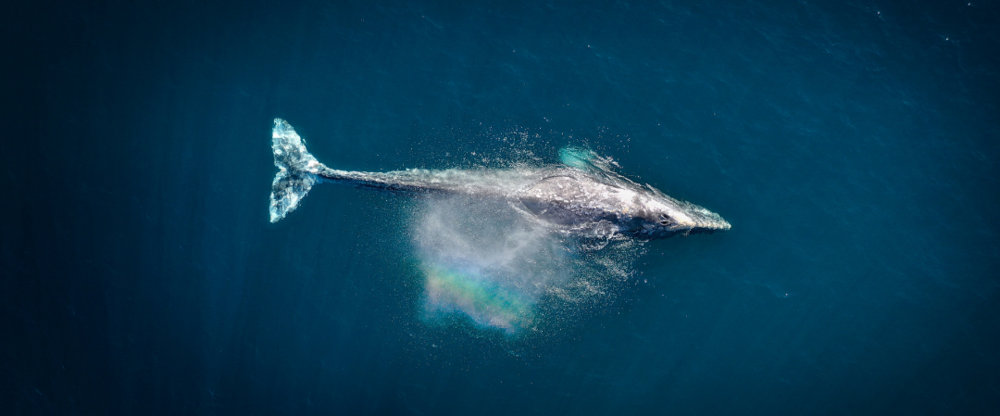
[[580, 196]]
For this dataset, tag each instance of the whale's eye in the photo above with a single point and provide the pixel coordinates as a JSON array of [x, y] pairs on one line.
[[665, 220]]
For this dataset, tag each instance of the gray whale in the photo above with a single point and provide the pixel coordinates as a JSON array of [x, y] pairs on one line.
[[580, 197]]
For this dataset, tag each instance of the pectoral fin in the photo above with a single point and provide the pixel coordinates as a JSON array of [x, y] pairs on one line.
[[585, 159]]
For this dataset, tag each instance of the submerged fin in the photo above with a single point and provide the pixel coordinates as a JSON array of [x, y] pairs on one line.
[[297, 170], [585, 159]]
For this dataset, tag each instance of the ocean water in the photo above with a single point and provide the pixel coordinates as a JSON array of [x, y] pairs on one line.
[[853, 145]]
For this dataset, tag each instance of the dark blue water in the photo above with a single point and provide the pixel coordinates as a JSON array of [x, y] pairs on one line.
[[853, 145]]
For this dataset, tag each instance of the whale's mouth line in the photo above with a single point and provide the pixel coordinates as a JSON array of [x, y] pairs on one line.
[[710, 228]]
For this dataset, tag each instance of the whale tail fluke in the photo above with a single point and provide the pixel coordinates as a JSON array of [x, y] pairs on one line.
[[297, 170]]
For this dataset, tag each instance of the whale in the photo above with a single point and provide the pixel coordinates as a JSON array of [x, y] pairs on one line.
[[581, 196]]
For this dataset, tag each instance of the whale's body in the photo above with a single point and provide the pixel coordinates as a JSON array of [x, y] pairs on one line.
[[585, 199]]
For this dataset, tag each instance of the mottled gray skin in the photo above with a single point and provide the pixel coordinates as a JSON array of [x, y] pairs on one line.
[[584, 202]]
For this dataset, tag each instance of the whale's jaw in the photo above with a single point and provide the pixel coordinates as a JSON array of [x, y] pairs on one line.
[[696, 225], [709, 227], [706, 222]]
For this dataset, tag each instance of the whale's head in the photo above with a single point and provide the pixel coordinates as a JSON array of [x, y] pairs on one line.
[[581, 200], [660, 216]]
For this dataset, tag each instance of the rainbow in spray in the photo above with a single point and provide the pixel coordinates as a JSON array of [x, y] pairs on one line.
[[481, 259], [478, 296]]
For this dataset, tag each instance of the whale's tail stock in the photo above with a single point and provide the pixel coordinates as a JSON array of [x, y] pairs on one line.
[[297, 170]]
